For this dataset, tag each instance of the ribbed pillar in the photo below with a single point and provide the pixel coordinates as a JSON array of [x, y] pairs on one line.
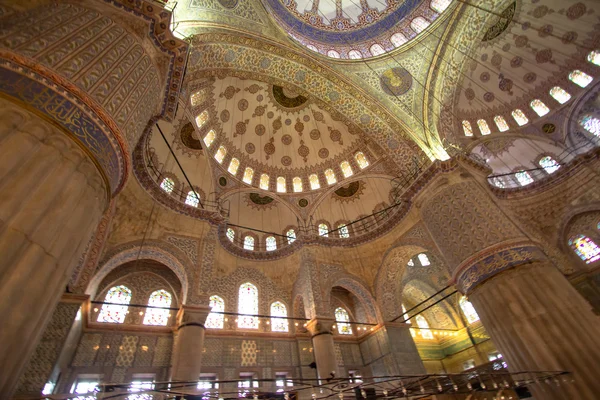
[[541, 323], [51, 199], [188, 343], [323, 347]]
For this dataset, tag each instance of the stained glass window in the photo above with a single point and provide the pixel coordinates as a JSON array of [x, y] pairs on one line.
[[468, 310], [115, 313], [405, 315], [248, 174], [297, 183], [440, 5], [209, 138], [361, 160], [425, 331], [549, 164], [167, 185], [158, 316], [333, 54], [498, 182], [423, 259], [419, 24], [230, 234], [314, 182], [398, 39], [198, 97], [410, 263], [341, 319], [248, 243], [524, 178], [234, 164], [483, 127], [191, 199], [520, 117], [202, 118], [539, 107], [594, 57], [591, 124], [264, 182], [580, 78], [330, 176], [343, 231], [323, 230], [248, 305], [585, 248], [354, 54], [220, 154], [271, 243], [377, 50], [467, 128], [281, 184], [278, 324], [346, 169], [501, 123], [215, 321], [560, 95], [291, 236]]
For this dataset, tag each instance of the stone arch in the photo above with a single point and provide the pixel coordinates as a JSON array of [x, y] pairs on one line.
[[156, 250], [443, 314], [359, 289], [581, 221]]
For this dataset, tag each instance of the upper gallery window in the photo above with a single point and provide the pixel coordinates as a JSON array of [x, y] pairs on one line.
[[424, 260], [468, 310], [167, 185], [191, 199], [342, 320], [215, 321], [234, 164], [377, 50], [115, 313], [594, 57], [524, 178], [361, 160], [585, 248], [440, 5], [560, 95], [271, 243], [343, 231], [202, 118], [264, 182], [419, 24], [248, 174], [248, 305], [398, 39], [220, 154], [539, 107], [291, 236], [248, 243], [580, 78], [281, 184], [467, 128], [297, 183], [354, 54], [330, 176], [314, 182], [549, 164], [158, 316], [591, 124], [501, 123], [198, 97], [230, 234], [209, 138], [278, 309], [323, 230], [346, 169], [405, 315], [520, 117], [483, 127], [424, 325], [333, 54]]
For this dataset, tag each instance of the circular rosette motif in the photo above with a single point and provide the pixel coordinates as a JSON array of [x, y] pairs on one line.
[[396, 81]]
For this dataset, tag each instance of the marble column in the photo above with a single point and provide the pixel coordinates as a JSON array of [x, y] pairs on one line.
[[402, 349], [188, 343], [323, 347], [51, 199]]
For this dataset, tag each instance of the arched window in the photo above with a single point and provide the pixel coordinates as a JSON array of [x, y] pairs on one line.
[[230, 234], [291, 236], [116, 312], [376, 49], [248, 174], [281, 184], [468, 309], [312, 47], [248, 305], [215, 321], [539, 107], [483, 127], [202, 118], [594, 57], [425, 331], [330, 176], [297, 183], [248, 243], [333, 54], [234, 164], [158, 316], [361, 160], [264, 182], [419, 24], [167, 185], [220, 154], [440, 5], [591, 124], [346, 169], [354, 54], [271, 243], [580, 78], [585, 248], [343, 231], [520, 117], [198, 97], [314, 182], [467, 128], [560, 95], [405, 315], [410, 263], [278, 309], [323, 230], [191, 199], [524, 178], [209, 138], [342, 320], [398, 39], [424, 260], [549, 164], [501, 123]]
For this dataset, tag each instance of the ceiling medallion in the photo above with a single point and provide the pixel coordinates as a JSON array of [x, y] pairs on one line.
[[228, 3], [350, 192], [396, 81], [223, 181], [286, 161], [188, 137], [549, 128], [287, 98], [302, 203], [258, 202]]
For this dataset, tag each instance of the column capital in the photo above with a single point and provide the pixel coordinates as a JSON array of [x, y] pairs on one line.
[[192, 316], [74, 298], [320, 326]]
